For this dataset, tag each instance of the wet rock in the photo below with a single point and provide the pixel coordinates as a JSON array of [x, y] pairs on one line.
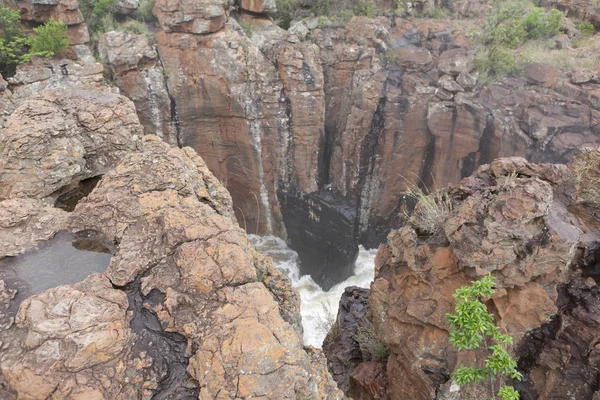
[[140, 75], [341, 345], [69, 135], [321, 229], [235, 89]]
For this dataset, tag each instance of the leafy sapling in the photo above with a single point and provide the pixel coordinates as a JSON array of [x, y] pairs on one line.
[[470, 328]]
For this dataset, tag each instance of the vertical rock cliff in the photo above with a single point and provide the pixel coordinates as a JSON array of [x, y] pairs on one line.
[[318, 131]]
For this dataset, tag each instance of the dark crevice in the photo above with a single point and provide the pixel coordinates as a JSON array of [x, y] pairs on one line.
[[69, 197], [167, 349]]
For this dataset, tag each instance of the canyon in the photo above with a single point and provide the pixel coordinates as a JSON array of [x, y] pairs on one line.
[[317, 132], [157, 154]]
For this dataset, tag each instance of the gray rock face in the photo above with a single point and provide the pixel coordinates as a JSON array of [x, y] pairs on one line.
[[127, 6], [140, 75]]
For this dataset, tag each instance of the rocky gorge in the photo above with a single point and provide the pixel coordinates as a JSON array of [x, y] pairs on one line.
[[161, 153]]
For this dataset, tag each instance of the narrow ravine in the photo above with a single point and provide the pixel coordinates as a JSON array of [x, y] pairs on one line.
[[319, 308]]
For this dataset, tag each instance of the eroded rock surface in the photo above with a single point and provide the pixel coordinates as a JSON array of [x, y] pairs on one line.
[[511, 219], [179, 313], [59, 137]]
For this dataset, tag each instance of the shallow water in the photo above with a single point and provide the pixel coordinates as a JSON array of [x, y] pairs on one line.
[[53, 263], [319, 308]]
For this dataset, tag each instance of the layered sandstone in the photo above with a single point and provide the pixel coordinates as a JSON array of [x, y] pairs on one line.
[[359, 112]]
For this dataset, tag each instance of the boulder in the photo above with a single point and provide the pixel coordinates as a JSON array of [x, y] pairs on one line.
[[369, 381], [126, 7], [511, 220], [41, 73], [192, 16], [58, 138], [583, 75], [454, 62], [448, 83], [541, 74], [341, 346]]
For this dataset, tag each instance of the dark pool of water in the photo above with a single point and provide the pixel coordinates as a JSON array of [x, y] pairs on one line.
[[55, 262]]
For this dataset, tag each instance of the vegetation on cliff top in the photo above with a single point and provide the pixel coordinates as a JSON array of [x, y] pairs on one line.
[[470, 328], [15, 47]]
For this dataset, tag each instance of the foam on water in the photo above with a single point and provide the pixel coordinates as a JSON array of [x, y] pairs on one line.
[[318, 308]]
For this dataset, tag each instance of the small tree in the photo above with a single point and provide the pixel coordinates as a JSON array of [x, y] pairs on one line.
[[51, 39], [13, 43], [470, 328]]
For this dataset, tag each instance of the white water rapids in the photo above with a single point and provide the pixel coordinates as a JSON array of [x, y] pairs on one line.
[[319, 308]]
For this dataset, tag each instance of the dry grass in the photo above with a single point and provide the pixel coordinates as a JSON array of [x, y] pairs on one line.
[[585, 53], [586, 167], [370, 346], [431, 210]]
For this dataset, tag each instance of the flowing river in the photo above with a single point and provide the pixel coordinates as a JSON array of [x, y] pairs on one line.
[[319, 308]]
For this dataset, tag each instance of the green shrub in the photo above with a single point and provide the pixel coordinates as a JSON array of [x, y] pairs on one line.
[[13, 43], [322, 7], [470, 328], [587, 29], [247, 27], [496, 60], [145, 12], [539, 24], [50, 39], [97, 14], [365, 8], [504, 26], [285, 12]]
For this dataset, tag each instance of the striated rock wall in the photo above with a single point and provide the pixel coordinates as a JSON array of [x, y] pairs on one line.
[[521, 223], [363, 111]]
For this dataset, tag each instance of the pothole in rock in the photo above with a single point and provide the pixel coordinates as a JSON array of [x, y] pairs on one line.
[[65, 259], [69, 197]]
